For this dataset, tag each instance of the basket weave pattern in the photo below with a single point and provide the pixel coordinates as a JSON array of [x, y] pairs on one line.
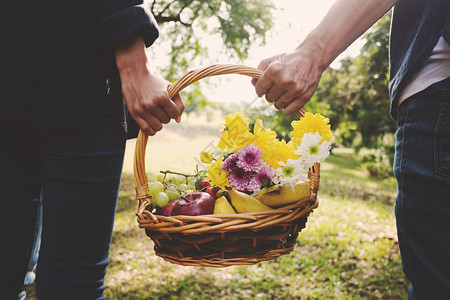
[[221, 240]]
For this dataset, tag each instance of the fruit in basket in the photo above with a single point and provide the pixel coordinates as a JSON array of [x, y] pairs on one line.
[[191, 184], [280, 195], [176, 179], [161, 199], [245, 203], [222, 206], [172, 192], [194, 204], [202, 184], [166, 210], [160, 177], [182, 186], [154, 188], [213, 191]]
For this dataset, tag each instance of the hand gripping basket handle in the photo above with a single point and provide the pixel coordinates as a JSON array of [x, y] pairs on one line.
[[140, 178]]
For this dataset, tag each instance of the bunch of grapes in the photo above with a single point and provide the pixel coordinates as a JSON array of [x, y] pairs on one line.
[[165, 188]]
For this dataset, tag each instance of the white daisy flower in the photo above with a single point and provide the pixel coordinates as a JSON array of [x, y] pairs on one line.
[[290, 173], [311, 151]]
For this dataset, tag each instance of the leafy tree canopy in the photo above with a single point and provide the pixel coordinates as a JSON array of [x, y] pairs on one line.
[[184, 22]]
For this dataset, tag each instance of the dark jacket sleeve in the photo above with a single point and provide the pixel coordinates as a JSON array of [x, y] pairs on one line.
[[121, 19]]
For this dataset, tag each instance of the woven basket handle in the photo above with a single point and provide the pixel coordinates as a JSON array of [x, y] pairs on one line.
[[140, 178]]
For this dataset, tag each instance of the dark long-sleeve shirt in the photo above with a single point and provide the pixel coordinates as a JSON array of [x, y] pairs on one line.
[[57, 64]]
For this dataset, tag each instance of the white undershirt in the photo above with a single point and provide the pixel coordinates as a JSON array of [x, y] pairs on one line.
[[434, 69]]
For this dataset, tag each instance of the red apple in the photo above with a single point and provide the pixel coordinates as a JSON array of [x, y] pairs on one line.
[[213, 191], [202, 184], [194, 204], [216, 189], [166, 210], [209, 190]]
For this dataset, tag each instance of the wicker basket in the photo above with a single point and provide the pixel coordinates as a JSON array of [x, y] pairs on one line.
[[221, 240]]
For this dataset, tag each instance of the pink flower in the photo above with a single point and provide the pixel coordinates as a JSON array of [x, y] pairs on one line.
[[254, 184], [264, 174], [249, 158], [239, 180], [246, 169], [230, 164]]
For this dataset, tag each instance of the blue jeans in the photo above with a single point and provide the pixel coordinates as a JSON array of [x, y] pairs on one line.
[[422, 168], [78, 179]]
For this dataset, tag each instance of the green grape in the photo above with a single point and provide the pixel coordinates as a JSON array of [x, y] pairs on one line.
[[176, 179], [172, 193], [191, 183], [182, 179], [154, 188], [183, 186], [161, 199], [152, 177], [160, 177]]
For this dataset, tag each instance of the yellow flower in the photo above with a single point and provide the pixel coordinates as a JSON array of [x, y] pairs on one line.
[[206, 157], [285, 151], [281, 153], [236, 119], [233, 142], [259, 126], [266, 140], [225, 142], [217, 176], [311, 123], [235, 135], [242, 140]]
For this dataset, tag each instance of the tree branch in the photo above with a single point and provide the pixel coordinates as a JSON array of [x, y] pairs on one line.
[[172, 17], [166, 7], [163, 19]]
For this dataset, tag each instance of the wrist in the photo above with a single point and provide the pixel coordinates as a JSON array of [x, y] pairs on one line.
[[318, 50], [131, 55]]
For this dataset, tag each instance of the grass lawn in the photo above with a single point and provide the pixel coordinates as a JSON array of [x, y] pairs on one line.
[[348, 250]]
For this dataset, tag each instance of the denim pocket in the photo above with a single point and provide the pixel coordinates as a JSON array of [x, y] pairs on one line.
[[442, 137]]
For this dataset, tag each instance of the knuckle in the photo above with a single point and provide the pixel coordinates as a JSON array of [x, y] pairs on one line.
[[162, 99], [137, 111], [261, 88], [297, 90], [148, 106], [276, 67], [288, 80]]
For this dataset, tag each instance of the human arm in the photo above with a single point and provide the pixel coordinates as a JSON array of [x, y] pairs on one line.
[[290, 79], [145, 94], [126, 28]]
